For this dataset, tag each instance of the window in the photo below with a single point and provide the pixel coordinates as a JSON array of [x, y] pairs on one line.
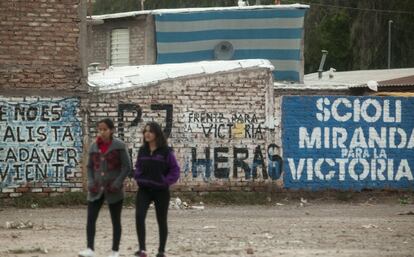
[[120, 47]]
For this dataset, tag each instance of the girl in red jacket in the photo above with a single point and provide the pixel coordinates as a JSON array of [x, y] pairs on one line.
[[108, 166]]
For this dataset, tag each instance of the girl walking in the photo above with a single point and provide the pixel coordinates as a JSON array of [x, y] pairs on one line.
[[108, 166], [156, 170]]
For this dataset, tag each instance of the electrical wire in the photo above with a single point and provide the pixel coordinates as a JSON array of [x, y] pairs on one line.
[[362, 9]]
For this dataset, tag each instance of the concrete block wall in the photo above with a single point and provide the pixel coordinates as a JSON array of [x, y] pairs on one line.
[[216, 124], [39, 45]]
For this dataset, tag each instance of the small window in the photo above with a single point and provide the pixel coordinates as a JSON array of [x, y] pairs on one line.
[[120, 47]]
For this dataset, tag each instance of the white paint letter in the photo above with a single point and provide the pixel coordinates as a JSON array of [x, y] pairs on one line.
[[339, 141], [357, 110], [358, 139], [387, 117], [390, 169], [341, 163], [351, 169], [404, 170], [365, 171], [379, 173], [374, 138], [318, 172], [326, 114], [296, 173], [313, 141], [364, 109], [411, 141], [335, 113], [327, 137], [403, 137], [331, 173], [309, 168], [398, 111]]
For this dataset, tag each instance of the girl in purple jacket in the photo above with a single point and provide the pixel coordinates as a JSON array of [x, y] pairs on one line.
[[156, 170]]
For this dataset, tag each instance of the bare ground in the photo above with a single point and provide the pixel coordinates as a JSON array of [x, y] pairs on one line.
[[291, 229]]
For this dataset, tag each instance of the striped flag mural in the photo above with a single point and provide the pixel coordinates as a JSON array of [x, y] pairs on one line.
[[274, 33]]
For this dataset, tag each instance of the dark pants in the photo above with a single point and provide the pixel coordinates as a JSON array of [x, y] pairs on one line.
[[93, 211], [161, 199]]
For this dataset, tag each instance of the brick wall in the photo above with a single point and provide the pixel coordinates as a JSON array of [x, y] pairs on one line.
[[99, 44], [216, 124], [137, 43], [39, 45], [348, 142], [41, 145]]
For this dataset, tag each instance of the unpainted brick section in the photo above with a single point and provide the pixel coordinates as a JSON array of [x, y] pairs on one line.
[[39, 45], [100, 43]]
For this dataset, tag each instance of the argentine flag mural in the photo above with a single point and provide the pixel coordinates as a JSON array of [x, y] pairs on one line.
[[265, 32]]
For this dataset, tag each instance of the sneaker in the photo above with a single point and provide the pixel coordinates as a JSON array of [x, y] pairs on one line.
[[140, 253], [86, 253], [114, 254], [161, 255]]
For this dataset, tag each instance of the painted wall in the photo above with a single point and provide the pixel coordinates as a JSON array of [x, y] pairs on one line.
[[41, 144], [217, 124], [348, 142], [222, 137]]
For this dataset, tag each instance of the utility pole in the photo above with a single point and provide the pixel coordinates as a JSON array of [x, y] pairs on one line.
[[322, 63], [389, 43], [89, 8]]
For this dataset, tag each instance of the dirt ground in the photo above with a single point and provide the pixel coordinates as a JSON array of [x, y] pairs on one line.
[[282, 229]]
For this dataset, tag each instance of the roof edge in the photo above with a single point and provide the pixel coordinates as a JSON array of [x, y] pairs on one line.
[[187, 10]]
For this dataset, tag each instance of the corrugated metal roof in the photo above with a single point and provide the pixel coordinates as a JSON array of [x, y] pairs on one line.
[[402, 94], [352, 79], [403, 81]]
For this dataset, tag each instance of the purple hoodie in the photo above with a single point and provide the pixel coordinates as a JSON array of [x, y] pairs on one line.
[[159, 170]]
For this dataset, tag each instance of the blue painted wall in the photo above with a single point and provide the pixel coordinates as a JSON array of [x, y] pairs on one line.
[[348, 142], [41, 142]]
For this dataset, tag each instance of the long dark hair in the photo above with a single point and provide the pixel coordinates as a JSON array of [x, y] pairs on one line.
[[108, 123], [160, 138]]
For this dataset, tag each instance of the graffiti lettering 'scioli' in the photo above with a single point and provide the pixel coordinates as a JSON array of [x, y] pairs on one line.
[[41, 142], [348, 142], [368, 110]]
